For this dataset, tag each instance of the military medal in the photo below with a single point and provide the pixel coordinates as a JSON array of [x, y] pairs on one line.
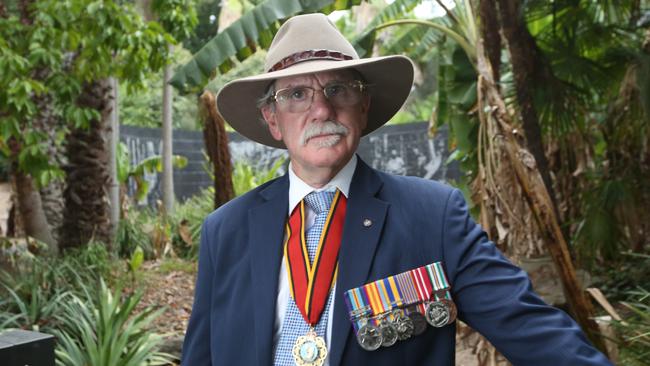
[[310, 283], [368, 336], [400, 306], [437, 314], [419, 322], [310, 350], [403, 324], [388, 331]]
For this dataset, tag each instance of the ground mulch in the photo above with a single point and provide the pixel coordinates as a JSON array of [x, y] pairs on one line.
[[171, 289]]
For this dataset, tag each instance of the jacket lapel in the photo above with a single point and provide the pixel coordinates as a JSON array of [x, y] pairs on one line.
[[266, 224], [357, 249]]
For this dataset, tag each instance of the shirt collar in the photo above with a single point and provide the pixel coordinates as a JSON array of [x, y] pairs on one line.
[[298, 189]]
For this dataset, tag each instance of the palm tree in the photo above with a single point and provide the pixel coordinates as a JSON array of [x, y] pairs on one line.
[[87, 213]]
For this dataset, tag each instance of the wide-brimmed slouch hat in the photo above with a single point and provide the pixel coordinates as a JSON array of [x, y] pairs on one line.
[[308, 44]]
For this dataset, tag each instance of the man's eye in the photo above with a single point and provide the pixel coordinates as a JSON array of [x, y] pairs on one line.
[[297, 94], [335, 89]]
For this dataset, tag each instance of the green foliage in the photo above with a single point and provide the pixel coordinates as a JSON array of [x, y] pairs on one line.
[[35, 287], [245, 178], [619, 277], [133, 232], [207, 26], [165, 235], [177, 17], [178, 234], [104, 329], [137, 172], [365, 41], [599, 233], [186, 223], [144, 108], [242, 38], [635, 330], [169, 265], [48, 58], [67, 296]]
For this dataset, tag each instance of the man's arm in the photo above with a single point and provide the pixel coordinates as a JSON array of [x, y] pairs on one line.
[[496, 298], [196, 346]]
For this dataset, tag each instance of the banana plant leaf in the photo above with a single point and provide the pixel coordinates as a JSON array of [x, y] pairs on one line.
[[397, 10], [254, 30]]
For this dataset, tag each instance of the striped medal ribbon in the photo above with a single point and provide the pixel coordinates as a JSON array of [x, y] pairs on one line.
[[440, 310], [310, 283], [406, 302]]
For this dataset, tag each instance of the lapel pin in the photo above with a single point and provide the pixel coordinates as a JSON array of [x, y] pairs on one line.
[[367, 222]]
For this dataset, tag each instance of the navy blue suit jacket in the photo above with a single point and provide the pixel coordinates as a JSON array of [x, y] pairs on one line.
[[414, 222]]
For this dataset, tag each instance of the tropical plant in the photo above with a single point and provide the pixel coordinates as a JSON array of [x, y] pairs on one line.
[[34, 289], [241, 39], [144, 108], [635, 329], [134, 232], [105, 330], [55, 58], [187, 221], [149, 165], [246, 178]]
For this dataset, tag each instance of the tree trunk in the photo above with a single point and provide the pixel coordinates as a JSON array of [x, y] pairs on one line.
[[216, 143], [167, 153], [31, 210], [525, 58], [492, 110], [113, 141], [489, 24], [86, 215]]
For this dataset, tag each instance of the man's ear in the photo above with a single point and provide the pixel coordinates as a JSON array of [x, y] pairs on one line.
[[268, 112]]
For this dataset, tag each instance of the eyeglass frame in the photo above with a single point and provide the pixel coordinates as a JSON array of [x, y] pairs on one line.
[[272, 97]]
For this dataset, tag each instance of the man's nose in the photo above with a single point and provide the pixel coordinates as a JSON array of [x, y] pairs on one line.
[[320, 105]]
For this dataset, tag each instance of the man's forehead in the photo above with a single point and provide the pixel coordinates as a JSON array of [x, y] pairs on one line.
[[321, 77]]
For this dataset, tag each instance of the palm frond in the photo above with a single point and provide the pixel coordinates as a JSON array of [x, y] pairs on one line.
[[365, 41]]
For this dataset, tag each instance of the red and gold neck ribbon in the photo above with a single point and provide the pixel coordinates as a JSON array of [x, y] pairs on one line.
[[310, 283]]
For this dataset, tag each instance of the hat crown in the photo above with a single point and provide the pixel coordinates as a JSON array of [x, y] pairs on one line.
[[304, 33]]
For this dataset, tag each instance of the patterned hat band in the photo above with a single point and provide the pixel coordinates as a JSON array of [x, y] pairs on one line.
[[308, 56]]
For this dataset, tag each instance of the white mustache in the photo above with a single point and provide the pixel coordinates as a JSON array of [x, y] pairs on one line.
[[323, 128]]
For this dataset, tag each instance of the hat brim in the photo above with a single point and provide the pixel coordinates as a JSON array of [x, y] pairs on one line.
[[390, 79]]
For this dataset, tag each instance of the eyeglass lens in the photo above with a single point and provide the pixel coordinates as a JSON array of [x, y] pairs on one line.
[[299, 99]]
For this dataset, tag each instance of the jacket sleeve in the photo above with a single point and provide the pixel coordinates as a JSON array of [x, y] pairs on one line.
[[196, 346], [495, 298]]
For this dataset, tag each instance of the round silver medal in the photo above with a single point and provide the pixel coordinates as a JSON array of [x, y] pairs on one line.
[[388, 334], [403, 325], [451, 308], [437, 314], [419, 323], [369, 337]]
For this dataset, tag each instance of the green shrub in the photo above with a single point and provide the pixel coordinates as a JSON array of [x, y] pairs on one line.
[[134, 230], [185, 223], [246, 178], [635, 330], [105, 330], [34, 288]]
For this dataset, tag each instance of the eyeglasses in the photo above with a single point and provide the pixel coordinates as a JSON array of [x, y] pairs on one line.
[[299, 98]]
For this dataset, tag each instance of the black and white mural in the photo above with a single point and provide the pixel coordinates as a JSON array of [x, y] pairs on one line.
[[404, 149]]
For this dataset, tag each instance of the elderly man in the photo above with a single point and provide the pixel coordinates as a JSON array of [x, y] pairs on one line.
[[338, 264]]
